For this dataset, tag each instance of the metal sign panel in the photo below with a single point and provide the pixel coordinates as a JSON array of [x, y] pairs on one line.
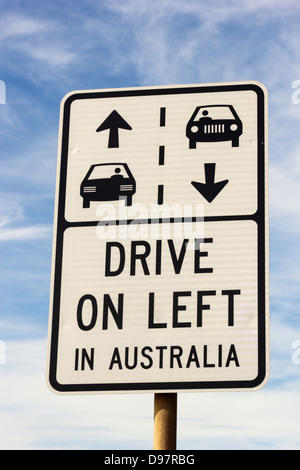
[[160, 256]]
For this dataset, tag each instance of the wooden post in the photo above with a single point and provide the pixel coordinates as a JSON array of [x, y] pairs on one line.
[[165, 421]]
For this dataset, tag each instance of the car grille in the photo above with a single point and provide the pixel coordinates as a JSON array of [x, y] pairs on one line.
[[213, 128], [89, 189], [126, 187]]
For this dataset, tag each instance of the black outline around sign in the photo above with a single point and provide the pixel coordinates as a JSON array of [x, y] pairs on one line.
[[258, 217]]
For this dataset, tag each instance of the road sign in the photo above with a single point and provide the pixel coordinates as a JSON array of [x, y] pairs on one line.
[[160, 258]]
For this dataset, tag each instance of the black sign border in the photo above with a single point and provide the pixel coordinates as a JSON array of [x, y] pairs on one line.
[[259, 217]]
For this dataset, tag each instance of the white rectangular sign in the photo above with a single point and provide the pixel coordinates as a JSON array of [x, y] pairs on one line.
[[160, 258]]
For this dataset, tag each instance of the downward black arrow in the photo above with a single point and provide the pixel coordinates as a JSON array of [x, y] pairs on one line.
[[209, 189], [113, 122]]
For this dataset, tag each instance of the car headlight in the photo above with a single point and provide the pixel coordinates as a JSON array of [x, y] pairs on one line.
[[233, 127], [194, 129], [89, 189]]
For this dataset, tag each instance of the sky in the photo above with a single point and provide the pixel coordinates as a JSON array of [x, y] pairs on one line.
[[51, 48]]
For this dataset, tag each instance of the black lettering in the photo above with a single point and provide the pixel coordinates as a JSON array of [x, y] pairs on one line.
[[158, 257], [94, 312], [127, 365], [200, 306], [161, 360], [141, 256], [115, 359], [108, 271], [193, 357], [220, 355], [177, 262], [205, 363], [175, 355], [151, 323], [199, 254], [85, 358], [232, 356], [176, 308], [76, 358], [231, 294], [143, 352], [117, 314]]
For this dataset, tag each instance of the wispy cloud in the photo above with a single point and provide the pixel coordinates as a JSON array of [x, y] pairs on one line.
[[53, 54], [25, 233], [15, 224], [19, 33], [177, 42], [16, 25], [284, 176]]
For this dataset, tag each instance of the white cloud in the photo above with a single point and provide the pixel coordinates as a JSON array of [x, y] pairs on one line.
[[181, 42], [25, 233], [283, 335], [37, 42], [34, 418], [14, 224], [13, 25], [10, 212], [53, 54], [263, 420], [284, 177], [210, 13], [168, 41]]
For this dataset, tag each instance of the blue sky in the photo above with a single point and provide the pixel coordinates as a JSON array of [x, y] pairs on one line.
[[51, 48]]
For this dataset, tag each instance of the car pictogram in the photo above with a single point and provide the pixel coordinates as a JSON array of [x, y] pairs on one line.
[[214, 123], [108, 182]]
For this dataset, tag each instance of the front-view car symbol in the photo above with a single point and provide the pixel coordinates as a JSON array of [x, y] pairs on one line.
[[108, 182], [214, 123]]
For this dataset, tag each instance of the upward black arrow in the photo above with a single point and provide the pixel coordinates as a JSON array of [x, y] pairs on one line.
[[209, 189], [113, 122]]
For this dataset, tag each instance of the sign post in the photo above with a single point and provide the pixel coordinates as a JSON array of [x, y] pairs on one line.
[[165, 421], [160, 255]]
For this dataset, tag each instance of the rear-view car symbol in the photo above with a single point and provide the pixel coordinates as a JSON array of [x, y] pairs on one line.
[[108, 182], [214, 123]]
